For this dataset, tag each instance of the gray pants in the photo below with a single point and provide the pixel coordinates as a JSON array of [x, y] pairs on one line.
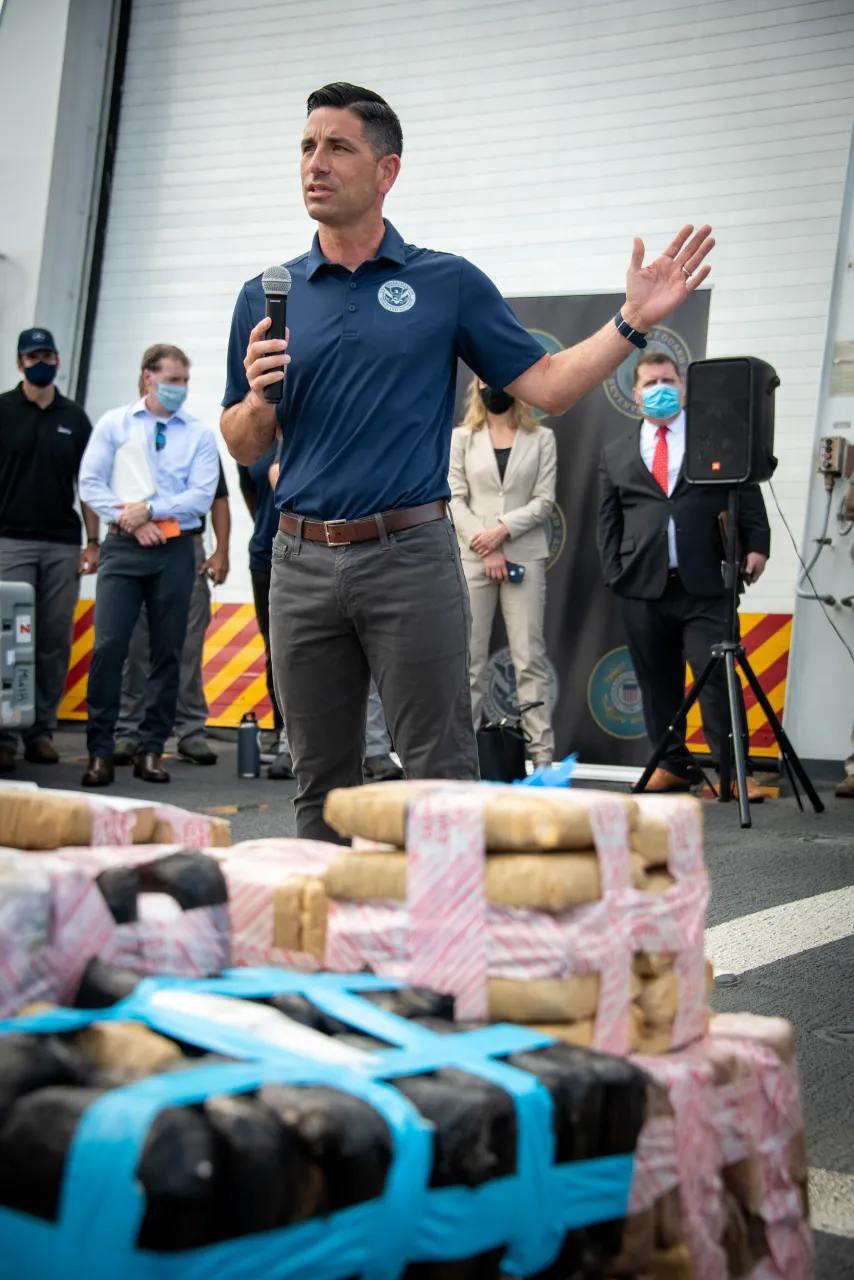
[[397, 608], [192, 711], [51, 568], [377, 741]]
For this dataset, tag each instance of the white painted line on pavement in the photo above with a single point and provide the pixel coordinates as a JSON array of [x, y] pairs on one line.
[[832, 1202], [766, 936]]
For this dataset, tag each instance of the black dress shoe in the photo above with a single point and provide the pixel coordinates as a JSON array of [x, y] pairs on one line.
[[100, 772], [282, 767], [381, 769], [149, 768], [42, 752]]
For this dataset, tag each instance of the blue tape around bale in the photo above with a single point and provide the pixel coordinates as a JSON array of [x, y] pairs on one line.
[[102, 1204]]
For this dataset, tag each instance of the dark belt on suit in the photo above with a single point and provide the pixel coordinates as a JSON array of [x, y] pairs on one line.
[[185, 533], [340, 533]]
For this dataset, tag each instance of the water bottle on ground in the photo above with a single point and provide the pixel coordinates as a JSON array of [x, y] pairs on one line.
[[248, 747]]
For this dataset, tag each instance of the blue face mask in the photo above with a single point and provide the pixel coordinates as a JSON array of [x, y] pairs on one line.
[[171, 396], [661, 401], [40, 374]]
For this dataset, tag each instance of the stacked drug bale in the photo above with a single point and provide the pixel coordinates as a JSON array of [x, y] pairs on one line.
[[313, 1127], [720, 1183], [591, 908], [160, 909], [41, 818]]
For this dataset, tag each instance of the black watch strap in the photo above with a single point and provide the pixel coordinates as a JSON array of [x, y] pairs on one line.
[[637, 339], [93, 542]]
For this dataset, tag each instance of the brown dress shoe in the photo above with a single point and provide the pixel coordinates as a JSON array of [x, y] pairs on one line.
[[149, 767], [663, 780], [845, 788], [7, 759], [43, 752], [755, 794], [100, 772]]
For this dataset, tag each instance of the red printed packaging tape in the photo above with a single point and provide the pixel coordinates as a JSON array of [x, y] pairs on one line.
[[164, 939], [716, 1125], [600, 937], [255, 871]]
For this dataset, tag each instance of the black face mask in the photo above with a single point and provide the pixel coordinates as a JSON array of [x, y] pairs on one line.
[[41, 374], [496, 400]]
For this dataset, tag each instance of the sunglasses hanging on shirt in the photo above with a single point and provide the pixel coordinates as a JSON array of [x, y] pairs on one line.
[[160, 437]]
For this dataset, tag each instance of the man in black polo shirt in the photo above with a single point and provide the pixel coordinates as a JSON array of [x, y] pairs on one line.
[[42, 438], [366, 572]]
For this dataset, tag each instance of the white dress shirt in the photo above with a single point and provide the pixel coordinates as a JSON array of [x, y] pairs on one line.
[[185, 471], [675, 456]]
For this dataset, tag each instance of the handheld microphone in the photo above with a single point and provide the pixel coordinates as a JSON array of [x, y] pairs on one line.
[[276, 283]]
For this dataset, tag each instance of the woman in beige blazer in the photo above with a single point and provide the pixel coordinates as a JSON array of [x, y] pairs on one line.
[[502, 476]]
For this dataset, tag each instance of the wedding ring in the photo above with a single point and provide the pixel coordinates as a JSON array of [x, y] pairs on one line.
[[687, 272]]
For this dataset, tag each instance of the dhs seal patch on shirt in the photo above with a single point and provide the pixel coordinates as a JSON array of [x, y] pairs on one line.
[[396, 295]]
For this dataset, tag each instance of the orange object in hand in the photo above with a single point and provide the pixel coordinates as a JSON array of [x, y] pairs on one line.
[[169, 528]]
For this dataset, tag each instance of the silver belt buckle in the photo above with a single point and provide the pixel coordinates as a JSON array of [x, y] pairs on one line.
[[326, 525]]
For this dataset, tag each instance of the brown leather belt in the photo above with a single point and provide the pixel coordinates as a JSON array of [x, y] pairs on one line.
[[340, 533]]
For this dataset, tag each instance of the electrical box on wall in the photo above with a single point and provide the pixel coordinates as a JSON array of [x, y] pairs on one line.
[[831, 455]]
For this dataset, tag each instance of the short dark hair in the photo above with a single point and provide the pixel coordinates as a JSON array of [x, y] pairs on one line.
[[153, 357], [380, 125], [654, 357]]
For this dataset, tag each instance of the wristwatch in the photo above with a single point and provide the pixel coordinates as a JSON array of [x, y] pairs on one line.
[[93, 542], [150, 509], [637, 339]]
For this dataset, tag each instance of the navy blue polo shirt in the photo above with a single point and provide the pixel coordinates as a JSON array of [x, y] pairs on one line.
[[368, 402], [254, 481]]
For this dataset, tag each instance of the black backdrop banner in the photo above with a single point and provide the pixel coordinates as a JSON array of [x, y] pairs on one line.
[[597, 709]]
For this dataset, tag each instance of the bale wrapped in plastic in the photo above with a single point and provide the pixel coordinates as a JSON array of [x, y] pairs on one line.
[[447, 1232], [104, 984], [569, 972], [159, 911]]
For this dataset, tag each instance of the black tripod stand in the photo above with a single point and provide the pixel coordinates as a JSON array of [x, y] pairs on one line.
[[729, 652]]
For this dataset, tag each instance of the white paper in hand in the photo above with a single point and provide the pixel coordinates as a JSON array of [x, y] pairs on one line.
[[132, 480]]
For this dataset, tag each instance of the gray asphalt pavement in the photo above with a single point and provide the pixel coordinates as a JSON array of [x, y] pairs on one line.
[[795, 958]]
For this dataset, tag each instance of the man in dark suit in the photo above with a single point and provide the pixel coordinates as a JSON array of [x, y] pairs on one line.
[[660, 544]]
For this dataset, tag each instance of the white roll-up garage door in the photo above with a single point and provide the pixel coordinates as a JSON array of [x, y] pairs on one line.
[[539, 137]]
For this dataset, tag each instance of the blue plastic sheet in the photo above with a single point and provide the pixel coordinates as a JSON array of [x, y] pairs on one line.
[[102, 1204], [551, 775]]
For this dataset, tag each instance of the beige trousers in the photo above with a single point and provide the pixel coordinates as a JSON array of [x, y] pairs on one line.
[[523, 607]]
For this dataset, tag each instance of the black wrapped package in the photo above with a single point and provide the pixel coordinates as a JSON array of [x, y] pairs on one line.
[[485, 1266], [103, 985], [34, 1142], [475, 1126], [176, 1171], [345, 1145], [368, 1044], [413, 1002], [577, 1096], [120, 889], [598, 1105], [301, 1010], [259, 1168], [31, 1062], [190, 877]]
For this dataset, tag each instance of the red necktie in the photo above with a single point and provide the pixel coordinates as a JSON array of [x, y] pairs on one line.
[[659, 459]]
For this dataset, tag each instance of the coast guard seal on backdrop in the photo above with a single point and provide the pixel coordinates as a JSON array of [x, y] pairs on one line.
[[614, 697], [618, 388]]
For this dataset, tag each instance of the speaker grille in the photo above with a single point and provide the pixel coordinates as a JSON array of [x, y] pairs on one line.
[[718, 425]]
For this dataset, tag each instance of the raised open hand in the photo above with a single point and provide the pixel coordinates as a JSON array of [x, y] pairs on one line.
[[654, 291]]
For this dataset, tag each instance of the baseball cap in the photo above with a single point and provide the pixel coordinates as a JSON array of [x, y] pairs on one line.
[[35, 340]]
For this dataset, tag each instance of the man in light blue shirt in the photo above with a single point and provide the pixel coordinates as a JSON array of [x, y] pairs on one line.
[[147, 557]]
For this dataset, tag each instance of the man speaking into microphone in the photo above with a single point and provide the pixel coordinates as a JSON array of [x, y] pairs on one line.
[[366, 575]]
